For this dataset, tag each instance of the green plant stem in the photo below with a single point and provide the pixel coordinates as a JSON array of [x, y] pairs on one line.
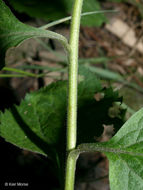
[[69, 18], [73, 75], [70, 170], [72, 94]]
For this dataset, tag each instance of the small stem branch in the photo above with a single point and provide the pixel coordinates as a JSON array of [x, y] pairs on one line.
[[73, 75]]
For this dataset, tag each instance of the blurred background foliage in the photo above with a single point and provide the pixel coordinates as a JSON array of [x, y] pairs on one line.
[[56, 9]]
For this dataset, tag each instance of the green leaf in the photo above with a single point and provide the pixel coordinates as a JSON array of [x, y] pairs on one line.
[[93, 113], [92, 20], [125, 154], [46, 9], [39, 123], [107, 74], [21, 127], [50, 105], [89, 84], [13, 32], [90, 5], [126, 170], [52, 10]]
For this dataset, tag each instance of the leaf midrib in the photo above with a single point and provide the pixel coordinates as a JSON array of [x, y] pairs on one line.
[[96, 148]]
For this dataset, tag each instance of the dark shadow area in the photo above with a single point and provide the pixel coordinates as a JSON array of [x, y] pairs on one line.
[[51, 10], [21, 166], [21, 16], [25, 167], [7, 96], [91, 117]]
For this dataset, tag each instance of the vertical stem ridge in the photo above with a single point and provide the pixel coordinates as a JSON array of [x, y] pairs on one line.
[[73, 75]]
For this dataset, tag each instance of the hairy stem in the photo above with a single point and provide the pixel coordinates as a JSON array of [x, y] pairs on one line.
[[70, 170], [72, 94], [73, 75]]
